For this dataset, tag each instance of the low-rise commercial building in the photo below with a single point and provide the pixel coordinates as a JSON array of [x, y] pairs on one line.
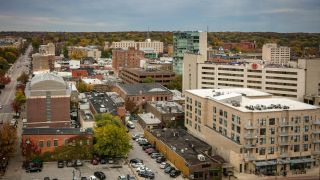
[[192, 156], [255, 132], [138, 75], [171, 114], [149, 121]]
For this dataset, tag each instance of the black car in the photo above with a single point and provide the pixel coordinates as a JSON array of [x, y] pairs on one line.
[[160, 159], [134, 161], [169, 169], [175, 173], [156, 155], [46, 178], [70, 163], [147, 146], [84, 178], [100, 175], [33, 167], [60, 164], [103, 161], [146, 174]]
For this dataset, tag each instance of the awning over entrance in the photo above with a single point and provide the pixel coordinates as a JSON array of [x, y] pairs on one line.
[[265, 163], [303, 160]]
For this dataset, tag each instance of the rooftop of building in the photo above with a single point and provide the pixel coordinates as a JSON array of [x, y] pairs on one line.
[[146, 71], [248, 100], [91, 81], [55, 131], [105, 102], [144, 89], [149, 118], [46, 77], [177, 95], [86, 115], [184, 144], [166, 107]]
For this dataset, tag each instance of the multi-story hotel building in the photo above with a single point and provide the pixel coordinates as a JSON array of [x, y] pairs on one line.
[[273, 53], [255, 132], [187, 41], [271, 78], [157, 46]]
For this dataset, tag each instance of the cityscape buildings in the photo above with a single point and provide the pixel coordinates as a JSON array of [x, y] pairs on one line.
[[273, 53]]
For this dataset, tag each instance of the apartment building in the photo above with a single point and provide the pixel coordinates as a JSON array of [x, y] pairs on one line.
[[255, 132], [272, 78], [273, 53], [130, 58], [78, 52], [312, 95], [157, 46], [48, 49], [42, 62], [187, 41]]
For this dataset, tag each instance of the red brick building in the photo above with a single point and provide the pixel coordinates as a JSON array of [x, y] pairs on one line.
[[48, 101], [142, 92], [243, 45], [47, 139], [79, 73], [126, 58]]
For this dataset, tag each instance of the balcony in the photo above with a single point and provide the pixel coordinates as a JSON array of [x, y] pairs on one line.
[[316, 131], [249, 126], [249, 146], [284, 133], [250, 136], [316, 122], [249, 157], [284, 124]]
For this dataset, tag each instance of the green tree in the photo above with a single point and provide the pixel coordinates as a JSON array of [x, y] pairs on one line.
[[65, 52], [106, 53], [83, 87], [103, 119], [10, 57], [23, 78], [20, 97], [4, 66], [176, 83], [148, 79], [112, 141]]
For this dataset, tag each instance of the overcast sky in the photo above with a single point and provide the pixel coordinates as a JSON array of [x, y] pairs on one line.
[[160, 15]]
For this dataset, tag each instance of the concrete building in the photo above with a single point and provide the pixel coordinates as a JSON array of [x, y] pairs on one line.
[[42, 63], [129, 58], [138, 75], [48, 49], [48, 139], [254, 131], [171, 114], [74, 64], [273, 53], [312, 94], [279, 80], [143, 92], [149, 121], [157, 46], [79, 52], [192, 156], [48, 101], [188, 41]]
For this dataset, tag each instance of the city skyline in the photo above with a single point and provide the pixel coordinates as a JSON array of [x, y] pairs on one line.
[[137, 15]]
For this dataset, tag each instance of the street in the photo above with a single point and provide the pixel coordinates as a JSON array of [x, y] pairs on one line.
[[14, 168]]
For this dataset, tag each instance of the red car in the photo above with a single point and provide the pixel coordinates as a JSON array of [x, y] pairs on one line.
[[151, 151], [146, 150]]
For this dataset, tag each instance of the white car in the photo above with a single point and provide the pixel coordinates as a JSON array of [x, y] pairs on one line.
[[162, 165], [136, 165], [93, 178], [78, 163], [143, 168], [0, 106], [13, 122]]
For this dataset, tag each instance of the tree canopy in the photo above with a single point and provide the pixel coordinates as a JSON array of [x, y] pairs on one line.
[[8, 139], [103, 119], [176, 83], [23, 78], [148, 79]]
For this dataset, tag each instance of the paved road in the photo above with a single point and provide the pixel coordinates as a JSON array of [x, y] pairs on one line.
[[14, 168], [137, 152]]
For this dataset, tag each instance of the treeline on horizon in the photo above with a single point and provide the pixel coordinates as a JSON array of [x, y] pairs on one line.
[[300, 43]]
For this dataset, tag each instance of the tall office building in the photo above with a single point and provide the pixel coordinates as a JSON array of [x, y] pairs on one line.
[[254, 131], [275, 54], [187, 41]]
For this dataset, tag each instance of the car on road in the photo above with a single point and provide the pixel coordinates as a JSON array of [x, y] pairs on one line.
[[93, 178], [100, 175], [60, 164], [33, 167], [130, 125], [175, 173]]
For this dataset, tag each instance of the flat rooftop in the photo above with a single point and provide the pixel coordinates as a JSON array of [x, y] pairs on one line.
[[104, 102], [166, 107], [248, 100], [144, 89], [141, 71], [184, 144], [149, 118]]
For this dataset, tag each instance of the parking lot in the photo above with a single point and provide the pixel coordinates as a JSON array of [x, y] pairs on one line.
[[137, 152], [51, 170]]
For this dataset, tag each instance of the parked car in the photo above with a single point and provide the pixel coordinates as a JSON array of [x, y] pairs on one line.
[[136, 160], [60, 164], [100, 175], [135, 165], [160, 159], [103, 161], [143, 168], [163, 165], [146, 174], [144, 147], [70, 163], [130, 177], [130, 125], [156, 155], [169, 169], [84, 178], [151, 151], [33, 167], [46, 178], [94, 162], [175, 173], [79, 162], [136, 136], [93, 178], [122, 177]]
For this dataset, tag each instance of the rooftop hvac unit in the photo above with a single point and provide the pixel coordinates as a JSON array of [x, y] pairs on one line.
[[201, 157]]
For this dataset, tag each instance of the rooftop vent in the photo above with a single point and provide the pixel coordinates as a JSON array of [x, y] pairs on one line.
[[201, 157]]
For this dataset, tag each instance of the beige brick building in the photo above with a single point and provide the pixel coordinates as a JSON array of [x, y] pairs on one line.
[[273, 53], [254, 131], [156, 45]]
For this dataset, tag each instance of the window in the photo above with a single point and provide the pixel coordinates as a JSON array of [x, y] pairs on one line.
[[296, 148], [48, 143], [214, 110], [225, 123], [233, 127], [238, 129], [263, 131], [272, 131], [305, 147], [214, 126], [272, 121], [305, 137], [272, 140], [306, 128], [271, 150], [225, 114], [262, 151], [55, 143], [221, 112], [306, 119], [41, 144], [220, 120], [262, 141], [297, 129]]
